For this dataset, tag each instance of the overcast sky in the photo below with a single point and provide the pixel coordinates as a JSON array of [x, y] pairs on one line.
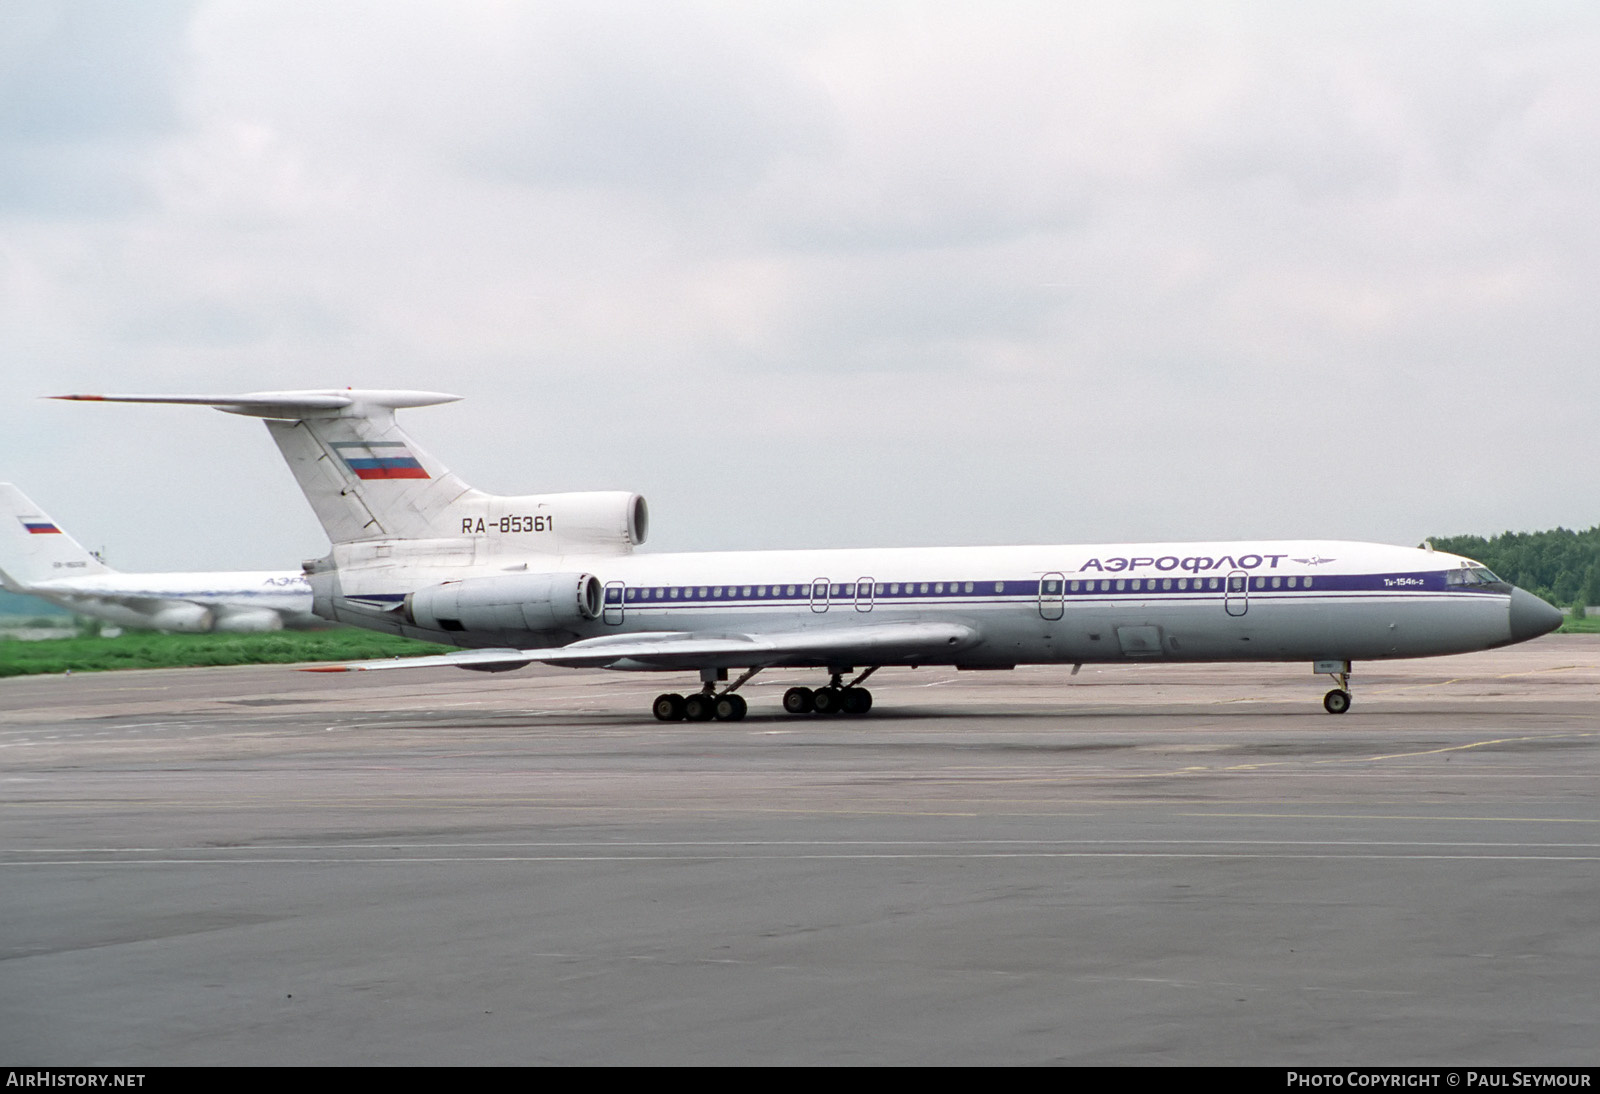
[[814, 274]]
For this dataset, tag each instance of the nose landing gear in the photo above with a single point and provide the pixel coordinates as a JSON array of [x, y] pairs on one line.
[[1336, 701]]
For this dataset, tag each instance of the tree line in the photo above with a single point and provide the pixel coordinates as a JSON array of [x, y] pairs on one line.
[[1562, 565]]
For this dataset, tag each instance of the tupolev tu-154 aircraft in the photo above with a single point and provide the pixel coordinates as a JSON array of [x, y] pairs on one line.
[[39, 559], [555, 578]]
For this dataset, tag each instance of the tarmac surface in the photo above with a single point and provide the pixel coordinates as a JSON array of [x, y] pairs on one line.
[[1142, 864]]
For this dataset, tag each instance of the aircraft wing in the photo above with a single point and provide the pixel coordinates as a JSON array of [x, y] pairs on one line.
[[884, 643]]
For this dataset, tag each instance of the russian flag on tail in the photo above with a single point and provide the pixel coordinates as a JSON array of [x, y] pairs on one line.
[[380, 460], [39, 527]]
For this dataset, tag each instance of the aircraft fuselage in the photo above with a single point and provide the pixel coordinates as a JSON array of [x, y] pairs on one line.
[[1243, 601], [555, 578]]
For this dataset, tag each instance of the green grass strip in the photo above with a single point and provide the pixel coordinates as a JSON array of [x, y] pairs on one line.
[[149, 650]]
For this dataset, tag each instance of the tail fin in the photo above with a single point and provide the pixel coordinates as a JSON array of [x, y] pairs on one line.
[[367, 480], [33, 547], [363, 476]]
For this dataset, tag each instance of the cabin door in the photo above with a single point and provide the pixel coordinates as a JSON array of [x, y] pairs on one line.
[[1052, 595], [1237, 599], [615, 591]]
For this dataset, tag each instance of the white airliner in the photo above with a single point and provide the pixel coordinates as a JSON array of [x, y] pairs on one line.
[[39, 559], [554, 578]]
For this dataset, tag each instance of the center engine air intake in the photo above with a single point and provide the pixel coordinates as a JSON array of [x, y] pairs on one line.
[[507, 603]]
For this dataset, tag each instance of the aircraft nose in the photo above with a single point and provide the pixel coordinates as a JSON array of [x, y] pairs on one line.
[[1531, 617]]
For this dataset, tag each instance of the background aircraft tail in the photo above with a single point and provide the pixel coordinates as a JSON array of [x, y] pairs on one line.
[[33, 547]]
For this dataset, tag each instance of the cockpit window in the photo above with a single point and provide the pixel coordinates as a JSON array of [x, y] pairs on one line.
[[1471, 576]]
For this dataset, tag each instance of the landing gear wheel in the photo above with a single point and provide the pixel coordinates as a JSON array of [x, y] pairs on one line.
[[699, 707], [668, 708], [857, 700], [730, 708], [798, 701], [829, 700], [1336, 701]]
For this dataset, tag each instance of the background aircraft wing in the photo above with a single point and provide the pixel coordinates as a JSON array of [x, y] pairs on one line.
[[884, 643]]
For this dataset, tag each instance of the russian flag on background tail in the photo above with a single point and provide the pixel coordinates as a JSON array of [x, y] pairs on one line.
[[380, 460], [38, 526]]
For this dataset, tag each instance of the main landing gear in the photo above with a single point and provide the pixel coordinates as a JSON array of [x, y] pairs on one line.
[[705, 704], [1336, 701], [725, 706], [699, 707], [836, 698]]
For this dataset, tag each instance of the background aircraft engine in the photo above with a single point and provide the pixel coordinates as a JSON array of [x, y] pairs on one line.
[[181, 618], [510, 602], [247, 620]]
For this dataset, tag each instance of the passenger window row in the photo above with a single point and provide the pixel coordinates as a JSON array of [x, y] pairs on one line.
[[1051, 587], [806, 591]]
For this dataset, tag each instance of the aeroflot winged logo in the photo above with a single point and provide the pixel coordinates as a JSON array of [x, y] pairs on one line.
[[379, 460]]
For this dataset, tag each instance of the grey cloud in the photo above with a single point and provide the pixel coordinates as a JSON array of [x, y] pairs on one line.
[[912, 319], [924, 210], [74, 70], [72, 180], [83, 87], [224, 323], [650, 98]]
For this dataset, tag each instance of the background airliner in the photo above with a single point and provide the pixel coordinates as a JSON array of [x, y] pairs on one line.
[[39, 559], [555, 578]]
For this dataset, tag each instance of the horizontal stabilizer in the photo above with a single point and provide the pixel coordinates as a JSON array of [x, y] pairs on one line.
[[287, 405], [875, 644]]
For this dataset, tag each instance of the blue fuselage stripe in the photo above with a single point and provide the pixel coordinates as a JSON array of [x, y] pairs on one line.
[[1031, 589], [1051, 590]]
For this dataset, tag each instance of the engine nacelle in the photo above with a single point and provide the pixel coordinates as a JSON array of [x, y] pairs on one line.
[[508, 603], [602, 519], [590, 522], [247, 620], [180, 618]]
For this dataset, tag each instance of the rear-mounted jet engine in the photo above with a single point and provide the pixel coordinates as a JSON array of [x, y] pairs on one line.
[[540, 603]]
